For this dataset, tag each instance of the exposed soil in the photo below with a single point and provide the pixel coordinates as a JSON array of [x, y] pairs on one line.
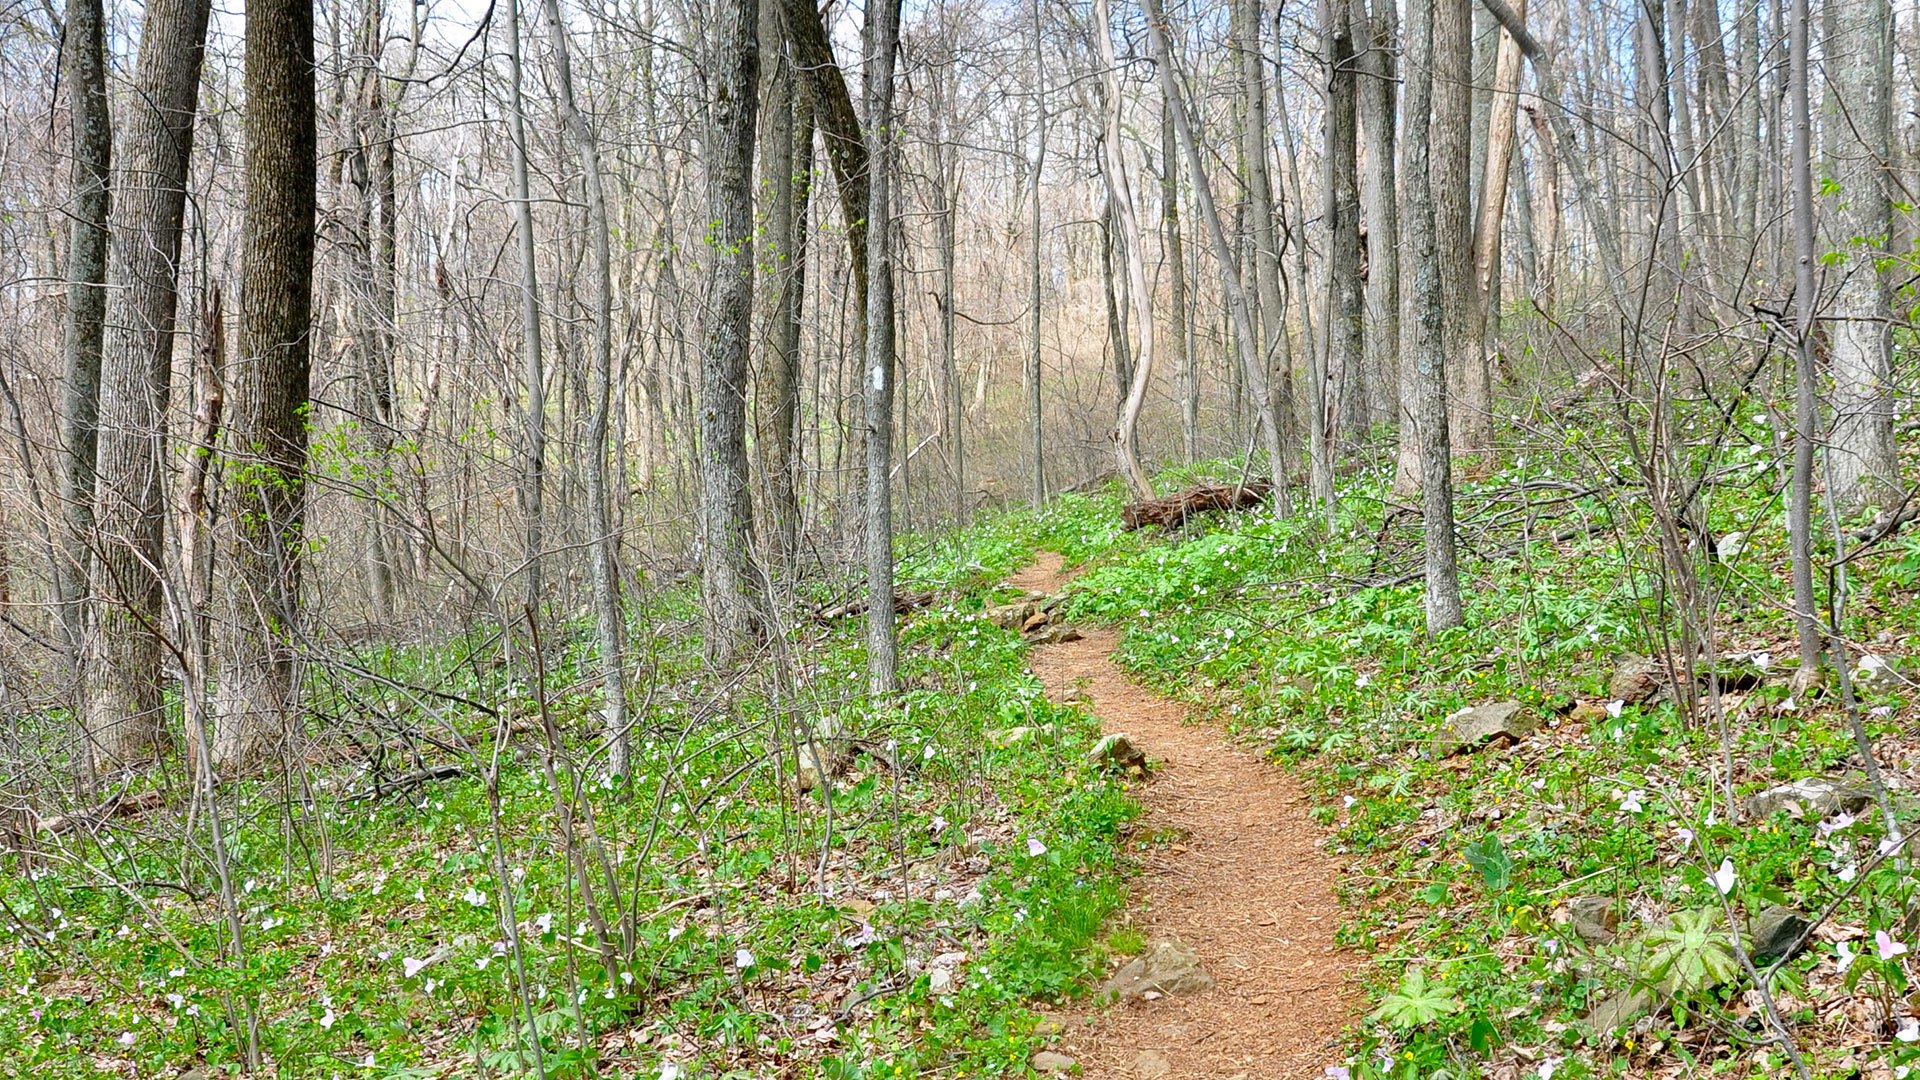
[[1242, 881]]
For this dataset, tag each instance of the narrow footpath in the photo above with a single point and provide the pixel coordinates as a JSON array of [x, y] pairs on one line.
[[1243, 882]]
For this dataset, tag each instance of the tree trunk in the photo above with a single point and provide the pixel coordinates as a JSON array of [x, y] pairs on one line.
[[777, 403], [268, 385], [1470, 405], [1430, 356], [602, 541], [123, 711], [1251, 366], [1272, 324], [1859, 130], [85, 71], [533, 466], [1493, 183], [728, 589], [1379, 206], [1120, 198], [1037, 162], [883, 41], [1179, 332], [1346, 313], [1806, 302]]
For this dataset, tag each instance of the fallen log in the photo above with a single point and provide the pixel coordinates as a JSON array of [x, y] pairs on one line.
[[1174, 510], [903, 603]]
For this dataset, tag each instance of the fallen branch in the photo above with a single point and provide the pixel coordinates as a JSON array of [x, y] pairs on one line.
[[903, 603]]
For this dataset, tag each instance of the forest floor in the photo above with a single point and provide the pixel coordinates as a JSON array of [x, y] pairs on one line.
[[1242, 880]]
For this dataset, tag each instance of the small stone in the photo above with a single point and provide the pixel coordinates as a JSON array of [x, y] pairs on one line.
[[1035, 621], [1636, 679], [1151, 1065], [1167, 968], [1047, 1061], [1471, 728], [1116, 751], [1774, 932], [1812, 797], [1876, 675], [1049, 1026], [1594, 919], [1009, 616], [1053, 635]]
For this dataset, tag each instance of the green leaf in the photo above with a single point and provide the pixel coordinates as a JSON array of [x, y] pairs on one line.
[[1690, 953], [1491, 859], [1417, 1002]]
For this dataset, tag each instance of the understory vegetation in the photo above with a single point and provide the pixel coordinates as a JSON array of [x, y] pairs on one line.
[[1554, 903]]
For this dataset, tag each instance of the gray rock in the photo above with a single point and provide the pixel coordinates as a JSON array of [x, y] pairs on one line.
[[1594, 919], [1812, 797], [1616, 1011], [1052, 634], [1774, 932], [1047, 1061], [1471, 728], [1167, 968], [1117, 752], [1151, 1065], [1876, 674], [1636, 679]]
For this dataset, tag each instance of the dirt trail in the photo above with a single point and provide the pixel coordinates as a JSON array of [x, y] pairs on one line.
[[1245, 885]]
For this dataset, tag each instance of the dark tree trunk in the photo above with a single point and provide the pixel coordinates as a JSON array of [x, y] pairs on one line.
[[728, 588], [85, 72], [883, 39], [268, 385]]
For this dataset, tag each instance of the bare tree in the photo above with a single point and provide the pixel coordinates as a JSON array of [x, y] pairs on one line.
[[1113, 166], [1345, 311], [882, 43], [122, 705], [602, 541], [268, 386], [85, 71], [533, 420], [728, 589], [1418, 173]]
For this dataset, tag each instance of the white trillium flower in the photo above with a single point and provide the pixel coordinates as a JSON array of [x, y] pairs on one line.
[[1615, 708], [1886, 946], [327, 1020], [1630, 804], [1846, 956], [1035, 848], [742, 959], [1909, 1030], [1724, 877], [411, 966]]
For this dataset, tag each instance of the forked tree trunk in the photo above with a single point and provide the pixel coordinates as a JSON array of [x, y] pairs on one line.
[[1113, 165]]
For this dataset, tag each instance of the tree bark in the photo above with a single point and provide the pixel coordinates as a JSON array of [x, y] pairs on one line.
[[268, 385], [1346, 312], [602, 541], [85, 71], [1430, 356], [1272, 324], [533, 451], [1120, 197], [883, 41], [1037, 162], [1806, 302], [1245, 344], [123, 711], [1470, 405], [1859, 130], [1179, 330], [777, 401], [1501, 118], [728, 589], [1379, 206]]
